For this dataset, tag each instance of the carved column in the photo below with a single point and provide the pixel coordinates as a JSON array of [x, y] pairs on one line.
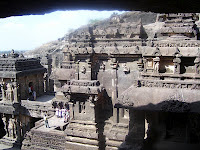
[[114, 66], [177, 66], [71, 109], [136, 129], [18, 129]]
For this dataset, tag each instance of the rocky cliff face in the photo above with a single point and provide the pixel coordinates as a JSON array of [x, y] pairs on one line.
[[47, 48], [148, 20]]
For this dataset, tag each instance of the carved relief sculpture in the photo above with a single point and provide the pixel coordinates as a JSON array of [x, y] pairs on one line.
[[156, 64]]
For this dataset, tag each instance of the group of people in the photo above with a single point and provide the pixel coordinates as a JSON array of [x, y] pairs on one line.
[[63, 113], [32, 93]]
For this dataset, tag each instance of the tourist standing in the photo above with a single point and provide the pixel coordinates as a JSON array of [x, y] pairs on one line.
[[32, 93], [63, 112], [46, 121], [57, 112], [60, 113]]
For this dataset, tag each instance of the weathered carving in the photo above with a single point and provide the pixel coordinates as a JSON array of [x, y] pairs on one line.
[[178, 44], [156, 64], [176, 62], [168, 84], [126, 69], [83, 70]]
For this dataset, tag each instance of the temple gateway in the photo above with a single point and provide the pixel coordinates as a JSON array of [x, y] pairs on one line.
[[128, 84]]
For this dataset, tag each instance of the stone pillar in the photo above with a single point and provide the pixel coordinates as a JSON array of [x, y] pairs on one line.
[[136, 133], [114, 66], [18, 129], [71, 109]]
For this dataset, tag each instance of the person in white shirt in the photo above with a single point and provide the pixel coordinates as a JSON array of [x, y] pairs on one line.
[[60, 113], [57, 112], [46, 121]]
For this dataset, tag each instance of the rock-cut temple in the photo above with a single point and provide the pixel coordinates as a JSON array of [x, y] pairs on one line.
[[127, 84]]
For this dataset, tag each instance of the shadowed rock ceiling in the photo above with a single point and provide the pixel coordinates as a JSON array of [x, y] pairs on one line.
[[27, 7]]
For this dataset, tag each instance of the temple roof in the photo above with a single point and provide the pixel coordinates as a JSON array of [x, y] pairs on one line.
[[12, 66], [155, 98]]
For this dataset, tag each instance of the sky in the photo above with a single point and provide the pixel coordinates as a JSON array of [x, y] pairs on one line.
[[30, 32]]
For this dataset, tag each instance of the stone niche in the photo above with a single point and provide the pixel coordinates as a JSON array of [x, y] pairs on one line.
[[187, 65], [166, 65]]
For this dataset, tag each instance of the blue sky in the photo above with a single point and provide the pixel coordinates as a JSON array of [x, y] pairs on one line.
[[29, 32]]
